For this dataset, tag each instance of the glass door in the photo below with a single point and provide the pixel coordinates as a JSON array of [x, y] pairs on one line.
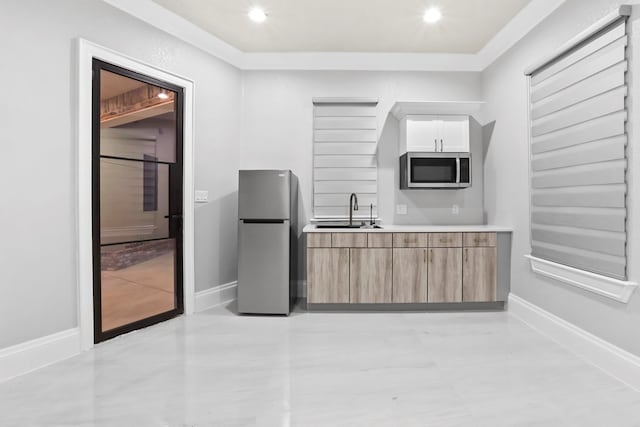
[[137, 200]]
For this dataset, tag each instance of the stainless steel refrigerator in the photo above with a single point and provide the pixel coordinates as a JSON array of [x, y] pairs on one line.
[[267, 237]]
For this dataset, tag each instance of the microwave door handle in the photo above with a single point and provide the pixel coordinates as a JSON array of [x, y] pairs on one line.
[[457, 170]]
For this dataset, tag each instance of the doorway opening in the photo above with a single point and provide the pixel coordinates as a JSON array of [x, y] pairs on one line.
[[137, 200]]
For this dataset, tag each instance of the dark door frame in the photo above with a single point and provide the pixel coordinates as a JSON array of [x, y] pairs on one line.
[[176, 192]]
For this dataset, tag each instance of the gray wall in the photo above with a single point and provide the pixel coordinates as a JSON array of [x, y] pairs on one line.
[[506, 174], [38, 174]]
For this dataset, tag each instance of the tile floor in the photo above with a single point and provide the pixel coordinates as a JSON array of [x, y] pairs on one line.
[[137, 292], [323, 369]]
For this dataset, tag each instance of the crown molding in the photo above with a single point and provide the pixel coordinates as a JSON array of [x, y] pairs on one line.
[[159, 17], [361, 61], [155, 15], [521, 24]]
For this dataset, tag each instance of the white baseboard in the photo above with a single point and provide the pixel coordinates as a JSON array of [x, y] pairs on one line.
[[615, 361], [216, 296], [38, 353]]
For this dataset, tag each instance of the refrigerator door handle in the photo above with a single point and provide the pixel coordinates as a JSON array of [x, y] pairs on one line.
[[264, 221]]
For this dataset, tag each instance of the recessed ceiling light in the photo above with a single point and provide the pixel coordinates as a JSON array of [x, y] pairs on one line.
[[432, 15], [163, 95], [257, 15]]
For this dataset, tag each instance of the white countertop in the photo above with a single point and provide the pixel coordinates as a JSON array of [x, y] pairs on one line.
[[391, 228]]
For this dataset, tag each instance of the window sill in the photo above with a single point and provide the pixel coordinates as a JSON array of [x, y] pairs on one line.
[[615, 289]]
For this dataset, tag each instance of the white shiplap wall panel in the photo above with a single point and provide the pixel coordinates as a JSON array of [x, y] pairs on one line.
[[342, 135], [346, 174], [345, 148], [344, 161], [360, 161], [345, 123], [338, 199], [344, 110], [578, 155], [357, 187], [342, 212]]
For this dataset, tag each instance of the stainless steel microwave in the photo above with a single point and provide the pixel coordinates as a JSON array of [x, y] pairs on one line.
[[435, 170]]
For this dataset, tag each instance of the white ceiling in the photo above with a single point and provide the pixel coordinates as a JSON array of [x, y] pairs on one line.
[[514, 30], [394, 26], [112, 84]]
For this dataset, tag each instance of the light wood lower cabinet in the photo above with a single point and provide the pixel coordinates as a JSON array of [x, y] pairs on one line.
[[370, 275], [479, 280], [319, 240], [328, 275], [410, 268], [368, 268], [445, 275]]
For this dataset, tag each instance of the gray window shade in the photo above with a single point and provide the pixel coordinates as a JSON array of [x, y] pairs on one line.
[[578, 155], [344, 157]]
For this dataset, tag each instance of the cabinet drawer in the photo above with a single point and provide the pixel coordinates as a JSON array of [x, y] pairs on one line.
[[349, 240], [318, 240], [380, 240], [445, 240], [480, 239], [409, 240]]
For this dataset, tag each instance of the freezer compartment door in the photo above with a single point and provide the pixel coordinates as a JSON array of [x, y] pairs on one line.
[[263, 267], [264, 194]]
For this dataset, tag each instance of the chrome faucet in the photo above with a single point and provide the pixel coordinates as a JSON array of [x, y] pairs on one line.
[[352, 206]]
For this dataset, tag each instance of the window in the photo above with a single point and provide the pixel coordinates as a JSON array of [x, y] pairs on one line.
[[150, 184], [578, 159], [344, 157]]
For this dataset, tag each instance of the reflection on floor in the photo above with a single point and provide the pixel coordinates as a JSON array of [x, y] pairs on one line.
[[323, 369], [138, 291]]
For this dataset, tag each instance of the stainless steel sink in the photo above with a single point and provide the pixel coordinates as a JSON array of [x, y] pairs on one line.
[[345, 225]]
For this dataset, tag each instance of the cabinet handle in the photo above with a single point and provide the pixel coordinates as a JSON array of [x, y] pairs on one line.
[[466, 255]]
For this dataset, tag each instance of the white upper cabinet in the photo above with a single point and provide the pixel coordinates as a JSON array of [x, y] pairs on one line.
[[429, 133], [454, 133], [422, 134]]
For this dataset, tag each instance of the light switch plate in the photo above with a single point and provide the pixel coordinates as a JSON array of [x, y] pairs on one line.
[[455, 209], [202, 196], [401, 209]]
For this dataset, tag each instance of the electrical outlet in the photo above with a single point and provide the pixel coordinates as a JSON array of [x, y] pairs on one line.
[[202, 196], [455, 209], [401, 209]]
